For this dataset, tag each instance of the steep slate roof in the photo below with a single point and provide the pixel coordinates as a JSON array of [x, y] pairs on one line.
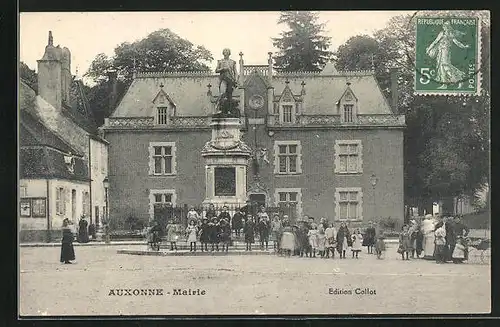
[[44, 162], [323, 91], [189, 92], [33, 132], [41, 153]]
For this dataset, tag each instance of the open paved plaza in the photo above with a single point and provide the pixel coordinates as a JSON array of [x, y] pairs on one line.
[[264, 284]]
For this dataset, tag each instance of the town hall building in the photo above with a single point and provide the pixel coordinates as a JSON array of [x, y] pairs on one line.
[[327, 143]]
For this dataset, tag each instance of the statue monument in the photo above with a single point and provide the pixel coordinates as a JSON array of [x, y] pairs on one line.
[[228, 77], [226, 155]]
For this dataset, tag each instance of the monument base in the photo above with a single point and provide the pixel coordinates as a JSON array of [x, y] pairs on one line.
[[226, 159]]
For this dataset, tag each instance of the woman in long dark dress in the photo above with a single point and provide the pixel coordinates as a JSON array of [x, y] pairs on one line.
[[344, 240], [83, 233], [67, 250], [369, 237]]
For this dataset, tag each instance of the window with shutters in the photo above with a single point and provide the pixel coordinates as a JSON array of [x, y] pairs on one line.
[[86, 204], [348, 203], [288, 157], [60, 201], [348, 157], [162, 158]]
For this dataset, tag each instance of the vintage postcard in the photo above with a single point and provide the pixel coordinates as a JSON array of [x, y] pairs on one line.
[[198, 163]]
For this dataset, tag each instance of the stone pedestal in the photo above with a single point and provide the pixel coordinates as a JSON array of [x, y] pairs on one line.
[[225, 154]]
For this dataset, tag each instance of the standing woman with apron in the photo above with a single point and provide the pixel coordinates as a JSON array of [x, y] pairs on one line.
[[67, 250]]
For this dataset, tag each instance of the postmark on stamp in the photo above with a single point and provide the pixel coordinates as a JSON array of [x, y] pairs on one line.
[[447, 56]]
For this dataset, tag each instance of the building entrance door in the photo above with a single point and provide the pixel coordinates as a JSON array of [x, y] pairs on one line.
[[258, 199]]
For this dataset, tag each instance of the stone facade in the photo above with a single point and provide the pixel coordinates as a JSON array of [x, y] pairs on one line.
[[298, 127]]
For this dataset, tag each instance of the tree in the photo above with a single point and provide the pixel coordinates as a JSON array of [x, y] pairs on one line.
[[160, 51], [447, 142], [302, 48], [28, 75]]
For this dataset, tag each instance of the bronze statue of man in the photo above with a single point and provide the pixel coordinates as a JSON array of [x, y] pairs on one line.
[[227, 77]]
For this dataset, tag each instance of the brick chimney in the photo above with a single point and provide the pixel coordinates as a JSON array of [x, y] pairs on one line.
[[113, 91], [394, 89]]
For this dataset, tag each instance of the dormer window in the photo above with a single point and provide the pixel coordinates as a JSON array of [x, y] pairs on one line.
[[287, 106], [286, 113], [347, 106], [162, 115], [165, 107], [348, 113]]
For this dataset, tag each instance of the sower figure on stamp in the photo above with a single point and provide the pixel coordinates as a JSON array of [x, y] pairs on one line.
[[440, 50], [227, 82]]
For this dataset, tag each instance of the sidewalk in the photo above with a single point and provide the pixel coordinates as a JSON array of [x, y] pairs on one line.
[[114, 243]]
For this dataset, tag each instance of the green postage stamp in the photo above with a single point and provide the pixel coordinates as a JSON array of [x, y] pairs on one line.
[[448, 56]]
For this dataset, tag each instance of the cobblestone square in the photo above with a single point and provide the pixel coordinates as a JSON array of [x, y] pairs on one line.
[[264, 284]]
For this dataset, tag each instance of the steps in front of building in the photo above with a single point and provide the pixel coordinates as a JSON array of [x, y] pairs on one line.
[[163, 253], [237, 246]]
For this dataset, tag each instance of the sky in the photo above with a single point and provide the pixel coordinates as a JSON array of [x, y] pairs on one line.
[[87, 34]]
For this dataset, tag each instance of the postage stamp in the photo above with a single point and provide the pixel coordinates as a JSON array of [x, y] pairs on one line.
[[447, 56]]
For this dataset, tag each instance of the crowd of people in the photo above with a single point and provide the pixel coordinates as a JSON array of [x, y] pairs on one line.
[[441, 238], [304, 238]]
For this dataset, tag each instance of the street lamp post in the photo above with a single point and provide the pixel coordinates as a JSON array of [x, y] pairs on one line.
[[105, 183], [373, 181]]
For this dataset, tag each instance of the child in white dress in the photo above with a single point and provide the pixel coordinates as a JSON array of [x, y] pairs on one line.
[[192, 231], [313, 240], [357, 243]]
